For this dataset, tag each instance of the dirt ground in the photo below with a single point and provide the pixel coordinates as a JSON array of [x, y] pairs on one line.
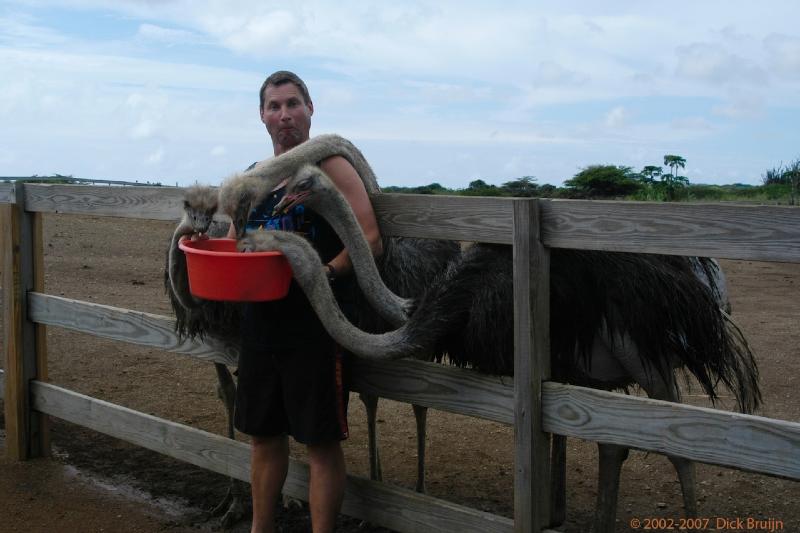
[[96, 483]]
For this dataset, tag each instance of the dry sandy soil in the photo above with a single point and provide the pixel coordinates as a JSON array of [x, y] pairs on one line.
[[96, 483]]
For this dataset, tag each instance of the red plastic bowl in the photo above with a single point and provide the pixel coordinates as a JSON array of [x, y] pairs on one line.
[[218, 272]]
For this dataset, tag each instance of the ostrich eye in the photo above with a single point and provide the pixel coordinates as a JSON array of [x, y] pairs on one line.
[[304, 185]]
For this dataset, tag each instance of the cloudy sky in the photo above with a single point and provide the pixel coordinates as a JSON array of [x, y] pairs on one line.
[[439, 91]]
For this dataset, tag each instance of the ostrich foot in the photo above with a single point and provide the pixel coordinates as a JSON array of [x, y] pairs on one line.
[[290, 503], [232, 508]]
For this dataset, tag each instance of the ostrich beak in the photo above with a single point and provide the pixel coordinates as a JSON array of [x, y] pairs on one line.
[[288, 202], [239, 219]]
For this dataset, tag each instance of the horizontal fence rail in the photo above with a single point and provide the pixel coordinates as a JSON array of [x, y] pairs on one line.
[[725, 231], [154, 203], [449, 389], [711, 436], [707, 435], [125, 325], [757, 233], [393, 507], [7, 195]]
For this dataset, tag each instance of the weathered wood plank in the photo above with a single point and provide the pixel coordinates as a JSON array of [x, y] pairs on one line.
[[2, 384], [14, 408], [7, 195], [446, 388], [437, 386], [758, 233], [483, 396], [459, 218], [40, 331], [126, 325], [5, 210], [404, 510], [200, 448], [765, 233], [392, 507], [157, 203], [24, 437], [531, 366], [735, 440]]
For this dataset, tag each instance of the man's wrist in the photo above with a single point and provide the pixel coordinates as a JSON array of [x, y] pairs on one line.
[[331, 271]]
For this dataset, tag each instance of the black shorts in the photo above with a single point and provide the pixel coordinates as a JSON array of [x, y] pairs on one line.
[[287, 391]]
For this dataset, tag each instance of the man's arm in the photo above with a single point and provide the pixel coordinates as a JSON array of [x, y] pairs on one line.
[[347, 180]]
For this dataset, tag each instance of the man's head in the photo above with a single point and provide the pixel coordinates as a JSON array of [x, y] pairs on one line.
[[286, 110]]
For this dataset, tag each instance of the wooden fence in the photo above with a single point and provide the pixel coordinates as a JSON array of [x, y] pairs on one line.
[[535, 406]]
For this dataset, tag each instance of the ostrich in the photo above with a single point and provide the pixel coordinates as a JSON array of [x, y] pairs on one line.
[[195, 318], [242, 192], [407, 266], [606, 331]]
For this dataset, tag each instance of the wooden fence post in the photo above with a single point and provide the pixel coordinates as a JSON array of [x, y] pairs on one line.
[[531, 367], [24, 342]]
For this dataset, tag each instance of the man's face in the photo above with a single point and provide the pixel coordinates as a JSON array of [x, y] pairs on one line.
[[286, 115]]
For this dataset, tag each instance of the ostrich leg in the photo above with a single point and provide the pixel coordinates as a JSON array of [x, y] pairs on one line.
[[686, 475], [666, 390], [231, 507], [558, 480], [371, 405], [659, 385], [611, 459], [421, 416]]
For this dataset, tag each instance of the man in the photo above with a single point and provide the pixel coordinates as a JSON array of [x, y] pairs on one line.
[[291, 373]]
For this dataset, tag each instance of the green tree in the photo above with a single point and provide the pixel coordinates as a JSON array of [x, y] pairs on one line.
[[603, 181], [481, 188], [525, 187], [649, 173], [672, 184], [773, 176], [793, 177], [673, 162]]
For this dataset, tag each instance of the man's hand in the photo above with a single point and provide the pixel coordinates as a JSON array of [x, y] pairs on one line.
[[194, 237]]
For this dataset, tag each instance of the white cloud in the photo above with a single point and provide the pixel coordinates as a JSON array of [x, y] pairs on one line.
[[714, 64], [258, 34], [23, 29], [451, 92], [156, 156], [692, 124], [617, 117], [784, 55], [743, 105], [218, 151], [143, 129], [152, 32]]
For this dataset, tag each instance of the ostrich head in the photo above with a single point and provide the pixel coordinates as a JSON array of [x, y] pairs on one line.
[[239, 194], [200, 203], [308, 183]]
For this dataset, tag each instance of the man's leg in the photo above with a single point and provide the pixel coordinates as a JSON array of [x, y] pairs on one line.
[[326, 487], [269, 464]]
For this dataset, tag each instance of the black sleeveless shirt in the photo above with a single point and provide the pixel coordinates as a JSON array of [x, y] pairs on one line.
[[281, 325]]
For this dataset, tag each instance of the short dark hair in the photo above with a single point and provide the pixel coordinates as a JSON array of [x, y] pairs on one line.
[[279, 78]]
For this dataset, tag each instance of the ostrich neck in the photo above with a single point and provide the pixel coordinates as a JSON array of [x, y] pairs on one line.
[[305, 264], [312, 152], [178, 277], [335, 209]]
